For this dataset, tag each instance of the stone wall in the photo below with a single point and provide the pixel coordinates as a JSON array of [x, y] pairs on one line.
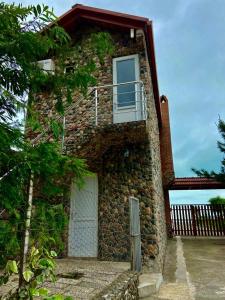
[[160, 241], [130, 170], [124, 288], [126, 172], [125, 166]]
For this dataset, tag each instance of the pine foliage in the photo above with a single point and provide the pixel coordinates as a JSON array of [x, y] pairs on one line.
[[219, 176]]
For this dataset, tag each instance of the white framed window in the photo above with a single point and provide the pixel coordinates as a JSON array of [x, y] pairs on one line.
[[125, 73]]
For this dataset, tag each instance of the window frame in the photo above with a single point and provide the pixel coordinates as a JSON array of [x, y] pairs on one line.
[[137, 75]]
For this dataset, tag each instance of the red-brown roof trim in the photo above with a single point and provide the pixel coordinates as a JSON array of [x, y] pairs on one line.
[[83, 8], [82, 12], [195, 183]]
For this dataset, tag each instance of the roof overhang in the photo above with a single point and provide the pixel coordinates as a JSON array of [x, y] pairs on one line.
[[195, 183], [80, 13]]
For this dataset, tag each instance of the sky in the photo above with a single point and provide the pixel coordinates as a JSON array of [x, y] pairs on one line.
[[189, 40]]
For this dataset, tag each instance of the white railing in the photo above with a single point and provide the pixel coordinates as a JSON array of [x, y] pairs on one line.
[[118, 103], [100, 108]]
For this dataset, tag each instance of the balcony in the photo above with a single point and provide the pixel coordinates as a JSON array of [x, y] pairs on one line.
[[109, 115], [120, 103]]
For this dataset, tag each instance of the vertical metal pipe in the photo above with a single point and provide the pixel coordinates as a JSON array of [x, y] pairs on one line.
[[145, 102], [96, 106], [136, 100], [142, 102]]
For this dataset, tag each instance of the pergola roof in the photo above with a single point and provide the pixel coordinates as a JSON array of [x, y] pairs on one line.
[[195, 183]]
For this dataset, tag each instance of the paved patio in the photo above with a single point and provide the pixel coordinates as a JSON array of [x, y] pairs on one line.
[[205, 260], [81, 279], [95, 277]]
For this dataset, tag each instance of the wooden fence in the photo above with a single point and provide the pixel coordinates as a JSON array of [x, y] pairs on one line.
[[198, 220]]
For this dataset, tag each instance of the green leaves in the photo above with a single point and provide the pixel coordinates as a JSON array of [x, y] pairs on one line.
[[24, 40], [48, 226], [56, 128], [46, 263], [53, 253], [34, 252], [34, 292], [43, 292], [57, 297], [27, 275], [217, 200], [59, 34], [40, 267], [103, 45], [11, 267], [43, 12], [22, 44]]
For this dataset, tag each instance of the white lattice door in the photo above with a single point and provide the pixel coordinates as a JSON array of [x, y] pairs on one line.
[[83, 226]]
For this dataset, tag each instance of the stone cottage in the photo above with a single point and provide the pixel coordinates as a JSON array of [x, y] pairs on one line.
[[123, 131]]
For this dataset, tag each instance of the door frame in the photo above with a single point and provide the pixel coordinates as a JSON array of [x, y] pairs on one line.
[[72, 213], [137, 76]]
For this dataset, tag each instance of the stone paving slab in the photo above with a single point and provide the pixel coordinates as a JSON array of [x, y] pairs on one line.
[[93, 277], [11, 286], [174, 291]]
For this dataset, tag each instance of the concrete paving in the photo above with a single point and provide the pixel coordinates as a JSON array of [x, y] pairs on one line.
[[176, 285], [194, 270], [205, 261], [149, 284]]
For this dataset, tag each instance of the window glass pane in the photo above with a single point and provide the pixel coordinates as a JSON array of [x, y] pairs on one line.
[[125, 73]]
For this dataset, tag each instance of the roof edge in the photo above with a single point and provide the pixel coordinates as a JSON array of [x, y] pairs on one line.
[[103, 11], [196, 183]]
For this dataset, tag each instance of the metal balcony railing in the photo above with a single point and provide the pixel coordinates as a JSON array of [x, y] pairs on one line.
[[104, 105], [119, 103]]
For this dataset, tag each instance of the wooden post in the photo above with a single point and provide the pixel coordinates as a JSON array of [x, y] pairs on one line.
[[168, 214], [193, 220]]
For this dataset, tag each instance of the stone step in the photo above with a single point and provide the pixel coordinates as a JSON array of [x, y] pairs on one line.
[[150, 298], [149, 284], [155, 297]]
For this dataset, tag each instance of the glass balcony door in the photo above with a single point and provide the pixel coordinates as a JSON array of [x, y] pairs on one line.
[[127, 90]]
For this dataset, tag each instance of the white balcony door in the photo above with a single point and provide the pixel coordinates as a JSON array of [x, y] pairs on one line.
[[126, 96], [83, 225]]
